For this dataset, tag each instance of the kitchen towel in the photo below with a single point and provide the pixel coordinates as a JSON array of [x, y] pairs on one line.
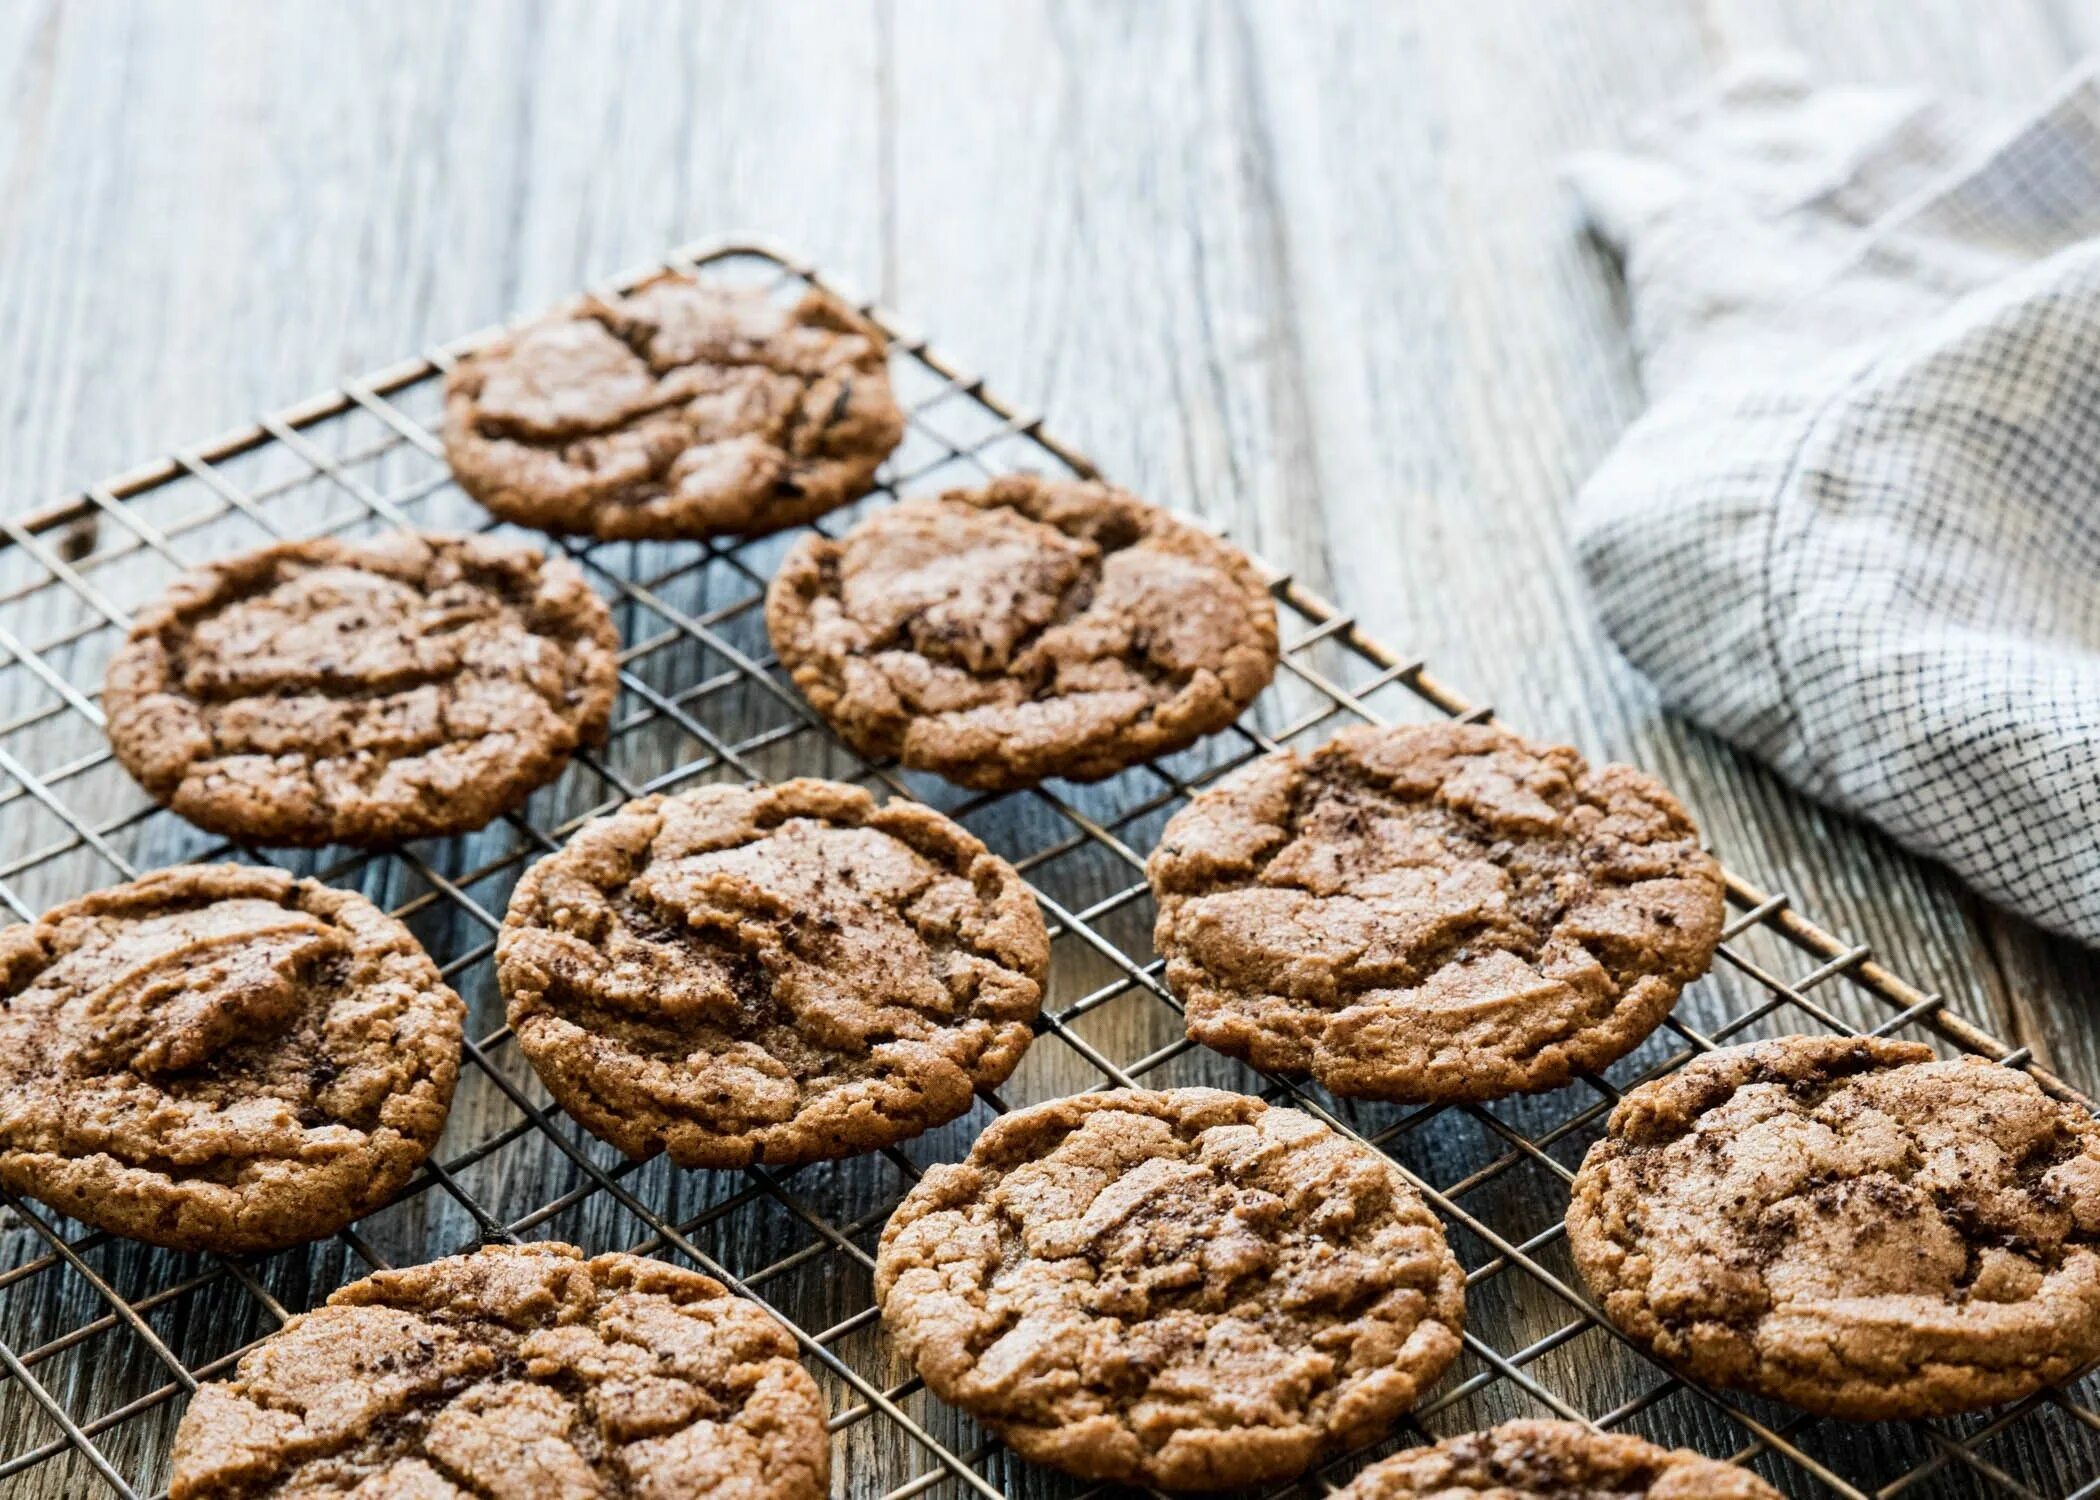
[[1857, 530]]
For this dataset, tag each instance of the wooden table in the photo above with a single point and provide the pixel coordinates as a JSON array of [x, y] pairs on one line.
[[1304, 269]]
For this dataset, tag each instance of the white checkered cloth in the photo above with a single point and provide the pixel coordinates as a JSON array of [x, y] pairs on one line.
[[1858, 529]]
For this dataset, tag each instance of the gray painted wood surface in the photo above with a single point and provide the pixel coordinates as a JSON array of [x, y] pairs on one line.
[[1305, 269]]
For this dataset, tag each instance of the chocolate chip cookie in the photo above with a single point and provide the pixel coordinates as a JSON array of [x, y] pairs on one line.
[[362, 692], [217, 1057], [1032, 628], [1848, 1225], [1187, 1289], [744, 974], [677, 410], [518, 1371], [1433, 912], [1553, 1461]]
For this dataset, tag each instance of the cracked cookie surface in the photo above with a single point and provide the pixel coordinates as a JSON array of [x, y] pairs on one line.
[[1188, 1289], [219, 1057], [362, 692], [1848, 1225], [1553, 1461], [743, 974], [520, 1372], [1031, 628], [1432, 912], [676, 410]]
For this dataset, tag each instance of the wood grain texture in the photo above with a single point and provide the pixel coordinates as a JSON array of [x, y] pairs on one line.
[[1306, 269]]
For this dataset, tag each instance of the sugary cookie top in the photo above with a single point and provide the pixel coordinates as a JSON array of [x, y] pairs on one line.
[[362, 692], [1027, 629], [679, 409], [778, 974], [1189, 1289], [220, 1056], [1553, 1461], [1849, 1225], [1432, 912], [517, 1370]]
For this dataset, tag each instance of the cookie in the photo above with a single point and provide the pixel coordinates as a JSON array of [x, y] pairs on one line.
[[1432, 912], [1849, 1226], [743, 974], [1190, 1289], [217, 1057], [677, 410], [410, 686], [520, 1370], [1032, 628], [1553, 1461]]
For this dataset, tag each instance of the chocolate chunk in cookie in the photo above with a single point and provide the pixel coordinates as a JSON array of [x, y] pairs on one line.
[[217, 1057], [771, 974], [1188, 1289], [1553, 1461], [677, 410], [1848, 1225], [520, 1370], [1436, 912], [1032, 628], [365, 692]]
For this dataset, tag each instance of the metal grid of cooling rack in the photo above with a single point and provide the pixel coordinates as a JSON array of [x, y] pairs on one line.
[[101, 1339]]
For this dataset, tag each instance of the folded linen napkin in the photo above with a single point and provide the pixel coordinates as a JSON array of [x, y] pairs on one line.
[[1857, 531]]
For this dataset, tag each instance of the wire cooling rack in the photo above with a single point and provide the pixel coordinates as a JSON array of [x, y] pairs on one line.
[[102, 1340]]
